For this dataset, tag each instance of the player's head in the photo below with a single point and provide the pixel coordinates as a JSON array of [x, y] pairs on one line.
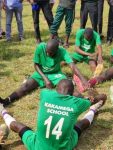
[[88, 34], [52, 47], [65, 87]]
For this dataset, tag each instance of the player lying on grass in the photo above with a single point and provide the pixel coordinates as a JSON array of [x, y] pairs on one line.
[[57, 126], [88, 48], [47, 59]]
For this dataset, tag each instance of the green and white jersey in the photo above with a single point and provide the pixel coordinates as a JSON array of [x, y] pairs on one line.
[[56, 118], [48, 64], [87, 46]]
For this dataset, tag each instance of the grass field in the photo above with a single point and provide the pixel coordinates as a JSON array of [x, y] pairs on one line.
[[16, 63]]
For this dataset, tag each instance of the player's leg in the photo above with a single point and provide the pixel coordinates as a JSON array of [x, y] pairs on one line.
[[57, 21], [107, 75], [83, 14], [19, 128], [18, 15], [88, 118], [47, 13], [26, 87], [9, 16], [35, 15], [69, 19], [93, 14], [93, 65]]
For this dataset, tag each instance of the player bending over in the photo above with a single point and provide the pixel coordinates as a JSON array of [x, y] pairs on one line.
[[88, 48], [47, 59], [57, 119]]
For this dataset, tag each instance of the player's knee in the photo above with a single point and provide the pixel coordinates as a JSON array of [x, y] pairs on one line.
[[24, 88]]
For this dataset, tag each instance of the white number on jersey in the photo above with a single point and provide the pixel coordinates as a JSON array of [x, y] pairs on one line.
[[57, 130]]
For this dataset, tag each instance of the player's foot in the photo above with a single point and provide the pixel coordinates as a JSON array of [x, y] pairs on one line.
[[99, 97], [109, 42], [101, 101], [21, 38], [4, 132], [93, 82]]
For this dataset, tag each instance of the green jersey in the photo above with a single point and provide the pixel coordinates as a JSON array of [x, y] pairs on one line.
[[48, 64], [85, 45], [56, 119]]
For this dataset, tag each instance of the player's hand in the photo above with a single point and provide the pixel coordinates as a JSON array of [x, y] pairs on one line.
[[93, 56], [48, 84], [98, 98]]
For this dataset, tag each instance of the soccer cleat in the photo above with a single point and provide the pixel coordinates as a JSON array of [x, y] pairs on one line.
[[98, 70], [4, 132], [78, 83]]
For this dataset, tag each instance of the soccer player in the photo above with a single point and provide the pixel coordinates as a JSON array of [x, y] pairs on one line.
[[57, 126], [48, 73], [86, 43]]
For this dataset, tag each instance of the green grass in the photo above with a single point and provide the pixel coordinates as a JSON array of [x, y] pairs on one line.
[[16, 63]]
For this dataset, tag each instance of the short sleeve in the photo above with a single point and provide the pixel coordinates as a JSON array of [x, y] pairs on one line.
[[38, 50], [78, 37], [97, 38], [83, 105], [66, 57]]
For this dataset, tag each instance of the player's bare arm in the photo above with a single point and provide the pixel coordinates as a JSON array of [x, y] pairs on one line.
[[47, 82]]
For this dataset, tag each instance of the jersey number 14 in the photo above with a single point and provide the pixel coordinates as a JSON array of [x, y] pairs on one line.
[[57, 130]]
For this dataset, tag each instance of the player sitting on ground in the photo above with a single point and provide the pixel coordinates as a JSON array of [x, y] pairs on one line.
[[57, 117], [48, 72], [85, 48]]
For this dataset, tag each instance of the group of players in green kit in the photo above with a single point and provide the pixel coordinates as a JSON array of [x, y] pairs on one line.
[[57, 125]]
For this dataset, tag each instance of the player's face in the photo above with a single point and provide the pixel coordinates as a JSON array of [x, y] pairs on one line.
[[51, 53], [88, 38]]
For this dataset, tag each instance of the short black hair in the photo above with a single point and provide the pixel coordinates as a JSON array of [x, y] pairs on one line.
[[52, 44], [88, 32]]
